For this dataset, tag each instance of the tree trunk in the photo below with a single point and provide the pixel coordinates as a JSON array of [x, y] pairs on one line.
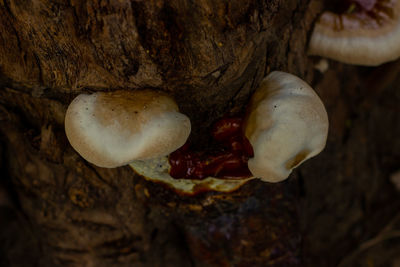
[[210, 56]]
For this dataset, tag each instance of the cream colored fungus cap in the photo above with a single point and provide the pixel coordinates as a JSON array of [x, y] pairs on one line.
[[111, 129], [286, 124], [359, 38]]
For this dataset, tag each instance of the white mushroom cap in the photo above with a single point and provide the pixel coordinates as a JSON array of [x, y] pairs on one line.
[[111, 129], [369, 38], [286, 124]]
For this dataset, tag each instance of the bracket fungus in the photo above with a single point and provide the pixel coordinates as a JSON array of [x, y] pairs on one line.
[[360, 32], [111, 129], [286, 123]]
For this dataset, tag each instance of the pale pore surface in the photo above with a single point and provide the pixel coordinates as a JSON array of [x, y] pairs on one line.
[[355, 44], [157, 170], [286, 124], [115, 128]]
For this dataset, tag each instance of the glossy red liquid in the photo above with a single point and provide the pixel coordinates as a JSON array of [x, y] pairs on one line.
[[228, 161]]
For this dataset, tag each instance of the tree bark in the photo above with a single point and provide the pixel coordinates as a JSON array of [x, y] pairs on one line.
[[210, 56]]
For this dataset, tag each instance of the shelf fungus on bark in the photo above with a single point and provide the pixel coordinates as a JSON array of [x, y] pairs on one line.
[[111, 129], [360, 32], [285, 124]]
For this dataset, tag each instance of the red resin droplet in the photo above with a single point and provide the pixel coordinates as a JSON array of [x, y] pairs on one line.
[[226, 128], [229, 161]]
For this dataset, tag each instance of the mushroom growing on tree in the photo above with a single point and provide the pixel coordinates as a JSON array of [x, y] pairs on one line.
[[111, 129], [286, 123], [360, 32], [211, 56]]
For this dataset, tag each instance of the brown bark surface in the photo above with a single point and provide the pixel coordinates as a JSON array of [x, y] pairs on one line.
[[210, 56]]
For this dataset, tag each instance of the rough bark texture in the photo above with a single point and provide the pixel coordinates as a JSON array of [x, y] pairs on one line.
[[210, 55]]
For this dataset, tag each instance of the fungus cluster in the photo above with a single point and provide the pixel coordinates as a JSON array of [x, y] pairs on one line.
[[285, 124], [361, 32]]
